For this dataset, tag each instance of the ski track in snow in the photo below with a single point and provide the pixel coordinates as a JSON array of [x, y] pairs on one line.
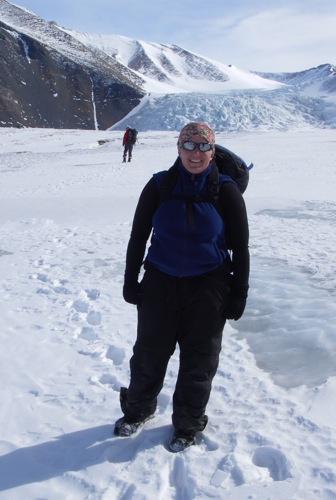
[[68, 338]]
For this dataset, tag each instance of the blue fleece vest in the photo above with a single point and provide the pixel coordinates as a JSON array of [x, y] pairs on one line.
[[178, 247]]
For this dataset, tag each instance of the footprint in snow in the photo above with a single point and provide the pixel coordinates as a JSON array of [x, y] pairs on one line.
[[274, 460], [93, 318], [115, 354], [92, 294], [237, 470], [39, 277], [106, 379], [228, 470], [80, 306], [87, 333]]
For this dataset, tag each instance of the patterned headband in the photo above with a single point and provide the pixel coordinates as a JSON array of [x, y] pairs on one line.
[[196, 129]]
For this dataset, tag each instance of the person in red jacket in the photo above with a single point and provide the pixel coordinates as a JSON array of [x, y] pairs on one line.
[[128, 144]]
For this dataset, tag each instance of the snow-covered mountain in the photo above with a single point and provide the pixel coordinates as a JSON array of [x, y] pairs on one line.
[[56, 77], [168, 69], [183, 86], [322, 79]]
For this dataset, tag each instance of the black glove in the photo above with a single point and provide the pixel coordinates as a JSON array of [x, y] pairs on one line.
[[237, 301], [131, 292], [235, 307]]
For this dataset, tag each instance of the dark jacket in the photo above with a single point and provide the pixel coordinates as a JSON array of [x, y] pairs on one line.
[[181, 250]]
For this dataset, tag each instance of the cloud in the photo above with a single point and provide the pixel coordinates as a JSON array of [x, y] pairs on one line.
[[264, 35], [281, 39]]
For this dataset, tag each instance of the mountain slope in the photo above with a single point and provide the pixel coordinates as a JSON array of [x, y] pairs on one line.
[[55, 77], [321, 79], [182, 86], [49, 79], [171, 69]]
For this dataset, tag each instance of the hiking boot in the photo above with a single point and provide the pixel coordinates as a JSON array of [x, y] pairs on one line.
[[129, 159], [182, 440], [124, 160], [123, 428]]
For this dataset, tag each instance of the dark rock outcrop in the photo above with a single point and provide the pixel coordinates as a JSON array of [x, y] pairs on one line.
[[41, 87]]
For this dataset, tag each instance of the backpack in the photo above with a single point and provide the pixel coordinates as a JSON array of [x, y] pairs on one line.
[[132, 135], [228, 163]]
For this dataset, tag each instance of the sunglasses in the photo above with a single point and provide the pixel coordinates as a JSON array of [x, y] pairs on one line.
[[202, 146]]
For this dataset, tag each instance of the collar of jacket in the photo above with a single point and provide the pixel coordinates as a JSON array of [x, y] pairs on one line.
[[191, 175]]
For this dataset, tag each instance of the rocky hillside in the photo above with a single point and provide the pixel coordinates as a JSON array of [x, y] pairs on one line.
[[50, 79], [58, 78]]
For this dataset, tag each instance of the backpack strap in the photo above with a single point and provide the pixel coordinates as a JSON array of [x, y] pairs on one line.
[[169, 181], [213, 183]]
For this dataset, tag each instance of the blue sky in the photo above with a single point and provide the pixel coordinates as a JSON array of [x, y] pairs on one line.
[[262, 35]]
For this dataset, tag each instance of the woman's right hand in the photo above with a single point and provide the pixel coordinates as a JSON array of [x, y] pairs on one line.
[[131, 292]]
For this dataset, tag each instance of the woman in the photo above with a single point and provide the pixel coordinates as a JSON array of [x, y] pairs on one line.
[[191, 285]]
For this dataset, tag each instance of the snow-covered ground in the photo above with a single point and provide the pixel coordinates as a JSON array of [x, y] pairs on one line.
[[67, 204]]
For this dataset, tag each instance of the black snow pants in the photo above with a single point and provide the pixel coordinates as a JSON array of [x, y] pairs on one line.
[[184, 311], [128, 148]]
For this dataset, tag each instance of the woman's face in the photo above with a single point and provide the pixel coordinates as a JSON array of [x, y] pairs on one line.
[[195, 161]]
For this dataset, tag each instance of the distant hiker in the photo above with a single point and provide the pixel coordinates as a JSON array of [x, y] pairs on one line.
[[192, 284], [129, 140]]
